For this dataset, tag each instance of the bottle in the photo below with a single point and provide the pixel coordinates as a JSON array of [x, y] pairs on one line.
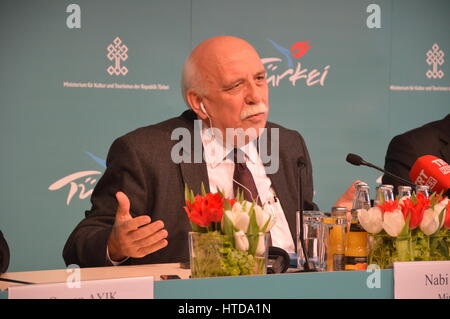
[[384, 193], [404, 192], [338, 211], [336, 245], [358, 187], [423, 189], [356, 244]]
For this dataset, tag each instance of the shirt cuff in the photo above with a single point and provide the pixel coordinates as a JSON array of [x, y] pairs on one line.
[[115, 263]]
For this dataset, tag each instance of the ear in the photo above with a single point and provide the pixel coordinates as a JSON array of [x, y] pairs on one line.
[[194, 100]]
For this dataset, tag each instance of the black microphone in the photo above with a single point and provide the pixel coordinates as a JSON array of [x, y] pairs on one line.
[[358, 160], [301, 164]]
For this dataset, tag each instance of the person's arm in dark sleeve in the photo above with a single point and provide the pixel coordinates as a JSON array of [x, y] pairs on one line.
[[400, 157], [4, 254], [87, 245]]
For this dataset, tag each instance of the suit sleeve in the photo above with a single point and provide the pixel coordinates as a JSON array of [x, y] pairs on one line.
[[400, 157], [4, 254], [87, 244]]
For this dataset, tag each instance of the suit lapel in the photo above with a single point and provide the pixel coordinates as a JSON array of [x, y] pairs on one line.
[[194, 173]]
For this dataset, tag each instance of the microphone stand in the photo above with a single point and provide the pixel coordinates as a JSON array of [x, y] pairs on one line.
[[357, 161], [389, 174], [307, 266]]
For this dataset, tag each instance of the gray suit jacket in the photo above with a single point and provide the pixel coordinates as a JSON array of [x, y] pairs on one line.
[[139, 164]]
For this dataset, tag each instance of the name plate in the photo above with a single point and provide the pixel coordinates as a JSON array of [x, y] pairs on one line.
[[122, 288], [422, 280]]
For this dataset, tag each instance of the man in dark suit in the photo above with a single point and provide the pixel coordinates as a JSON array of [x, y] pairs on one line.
[[404, 149], [4, 254], [137, 215]]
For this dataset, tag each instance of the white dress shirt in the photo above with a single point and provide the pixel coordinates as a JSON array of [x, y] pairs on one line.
[[220, 174]]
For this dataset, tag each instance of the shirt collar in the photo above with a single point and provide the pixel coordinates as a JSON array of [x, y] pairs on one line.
[[211, 147]]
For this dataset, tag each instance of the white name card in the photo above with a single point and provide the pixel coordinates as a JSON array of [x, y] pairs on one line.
[[422, 280], [123, 288]]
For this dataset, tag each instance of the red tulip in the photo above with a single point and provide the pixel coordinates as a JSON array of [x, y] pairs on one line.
[[389, 206], [415, 210], [205, 210]]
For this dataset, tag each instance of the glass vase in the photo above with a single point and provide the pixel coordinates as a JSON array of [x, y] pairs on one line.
[[439, 245], [213, 254], [403, 249], [381, 250]]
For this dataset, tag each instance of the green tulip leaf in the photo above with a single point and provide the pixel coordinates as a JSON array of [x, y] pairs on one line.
[[202, 190], [186, 193], [405, 230]]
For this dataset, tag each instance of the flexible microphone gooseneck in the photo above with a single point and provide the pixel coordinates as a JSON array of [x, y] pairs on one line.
[[358, 160], [301, 164]]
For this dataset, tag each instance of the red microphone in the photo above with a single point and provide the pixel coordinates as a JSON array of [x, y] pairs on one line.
[[431, 171]]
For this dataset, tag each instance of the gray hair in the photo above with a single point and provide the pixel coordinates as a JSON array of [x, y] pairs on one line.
[[191, 79]]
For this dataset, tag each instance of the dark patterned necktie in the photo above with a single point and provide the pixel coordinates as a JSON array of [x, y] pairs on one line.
[[243, 179]]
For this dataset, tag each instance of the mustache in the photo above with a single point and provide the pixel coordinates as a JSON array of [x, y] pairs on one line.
[[248, 111]]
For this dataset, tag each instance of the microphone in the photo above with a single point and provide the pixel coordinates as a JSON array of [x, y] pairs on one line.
[[301, 164], [431, 171], [358, 160]]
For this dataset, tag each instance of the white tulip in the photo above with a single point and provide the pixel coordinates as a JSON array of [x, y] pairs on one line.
[[263, 215], [246, 205], [261, 248], [238, 218], [438, 209], [393, 222], [237, 208], [242, 221], [241, 241], [371, 220], [430, 222]]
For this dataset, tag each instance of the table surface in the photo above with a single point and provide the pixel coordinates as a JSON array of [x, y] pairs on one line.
[[99, 273], [340, 284]]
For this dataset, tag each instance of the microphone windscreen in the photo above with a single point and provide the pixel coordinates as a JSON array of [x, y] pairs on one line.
[[431, 171], [354, 159]]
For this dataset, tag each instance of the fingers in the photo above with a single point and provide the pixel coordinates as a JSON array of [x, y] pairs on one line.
[[354, 183], [146, 245], [123, 207], [350, 192], [152, 239], [346, 200], [134, 237], [146, 231], [135, 223], [142, 252]]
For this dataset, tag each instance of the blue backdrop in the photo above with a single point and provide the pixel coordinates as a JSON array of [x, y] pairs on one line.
[[348, 75]]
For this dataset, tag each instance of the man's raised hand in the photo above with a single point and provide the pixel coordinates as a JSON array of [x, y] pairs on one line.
[[134, 237]]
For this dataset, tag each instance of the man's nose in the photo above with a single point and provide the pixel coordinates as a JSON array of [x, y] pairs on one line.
[[253, 93]]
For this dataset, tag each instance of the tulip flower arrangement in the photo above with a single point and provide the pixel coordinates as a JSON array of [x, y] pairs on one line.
[[408, 229], [229, 236]]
